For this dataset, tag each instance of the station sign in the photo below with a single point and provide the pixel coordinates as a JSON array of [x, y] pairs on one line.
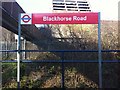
[[59, 18]]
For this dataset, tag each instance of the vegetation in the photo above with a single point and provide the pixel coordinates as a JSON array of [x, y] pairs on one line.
[[77, 75]]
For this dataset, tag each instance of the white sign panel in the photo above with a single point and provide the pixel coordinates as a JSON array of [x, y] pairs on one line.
[[26, 18]]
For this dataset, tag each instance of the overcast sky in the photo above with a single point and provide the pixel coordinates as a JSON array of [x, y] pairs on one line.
[[108, 8]]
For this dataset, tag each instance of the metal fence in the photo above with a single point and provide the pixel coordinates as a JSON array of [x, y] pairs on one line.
[[63, 60]]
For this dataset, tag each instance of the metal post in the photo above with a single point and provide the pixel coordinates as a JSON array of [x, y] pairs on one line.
[[18, 53], [63, 78], [24, 47], [99, 52]]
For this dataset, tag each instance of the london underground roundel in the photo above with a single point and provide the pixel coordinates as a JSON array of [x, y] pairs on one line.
[[26, 18]]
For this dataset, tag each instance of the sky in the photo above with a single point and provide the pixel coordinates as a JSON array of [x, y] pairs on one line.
[[108, 8]]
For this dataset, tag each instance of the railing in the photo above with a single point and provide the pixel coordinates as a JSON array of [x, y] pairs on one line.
[[62, 61]]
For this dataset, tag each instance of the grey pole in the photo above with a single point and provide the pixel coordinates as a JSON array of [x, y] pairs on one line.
[[99, 52]]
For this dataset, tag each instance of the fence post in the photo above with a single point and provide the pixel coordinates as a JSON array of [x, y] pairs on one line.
[[63, 78]]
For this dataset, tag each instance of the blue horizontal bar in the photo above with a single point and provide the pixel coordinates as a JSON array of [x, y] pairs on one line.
[[8, 50], [69, 51], [59, 50], [8, 61], [110, 50], [60, 61]]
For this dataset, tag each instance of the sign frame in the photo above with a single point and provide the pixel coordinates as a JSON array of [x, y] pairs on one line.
[[99, 46]]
